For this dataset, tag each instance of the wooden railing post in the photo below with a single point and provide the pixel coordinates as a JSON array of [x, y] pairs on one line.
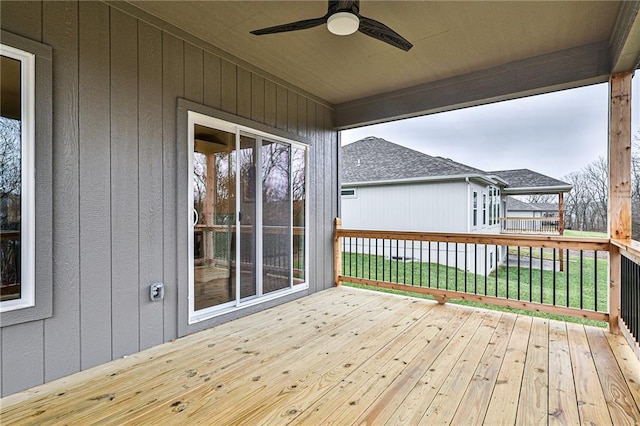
[[615, 271], [337, 253], [619, 183]]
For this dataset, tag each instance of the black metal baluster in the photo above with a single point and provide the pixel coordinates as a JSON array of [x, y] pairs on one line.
[[581, 278], [412, 261], [420, 263], [383, 258], [554, 277], [486, 267], [455, 287], [437, 264], [446, 270], [404, 262], [397, 262], [567, 272], [496, 266], [541, 274], [369, 257], [518, 273], [531, 273], [595, 280], [357, 256], [507, 272], [344, 254], [475, 269], [429, 264], [466, 253]]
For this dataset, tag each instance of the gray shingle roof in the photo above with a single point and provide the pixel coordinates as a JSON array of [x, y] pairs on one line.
[[525, 178], [374, 159], [513, 204]]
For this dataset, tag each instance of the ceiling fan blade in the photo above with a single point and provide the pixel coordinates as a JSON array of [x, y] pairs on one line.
[[380, 31], [292, 26]]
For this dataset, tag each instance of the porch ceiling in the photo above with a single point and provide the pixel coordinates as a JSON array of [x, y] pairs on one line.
[[494, 50]]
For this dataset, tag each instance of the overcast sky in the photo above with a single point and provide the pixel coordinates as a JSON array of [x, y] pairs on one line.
[[554, 134]]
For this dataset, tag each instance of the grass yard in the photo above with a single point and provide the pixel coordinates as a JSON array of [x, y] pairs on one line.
[[584, 234], [527, 284]]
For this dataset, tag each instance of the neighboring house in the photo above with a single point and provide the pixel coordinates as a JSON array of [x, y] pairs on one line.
[[517, 208], [386, 186]]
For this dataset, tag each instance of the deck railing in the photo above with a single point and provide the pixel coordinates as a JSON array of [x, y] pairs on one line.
[[515, 271], [217, 243], [530, 225], [630, 291]]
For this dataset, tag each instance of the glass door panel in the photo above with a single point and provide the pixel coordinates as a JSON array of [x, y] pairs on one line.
[[214, 217], [276, 216], [298, 193], [248, 217]]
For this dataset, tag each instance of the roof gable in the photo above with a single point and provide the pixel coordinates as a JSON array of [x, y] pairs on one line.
[[525, 178], [375, 159], [372, 160]]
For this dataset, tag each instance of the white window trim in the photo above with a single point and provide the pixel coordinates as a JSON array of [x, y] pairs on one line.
[[27, 213], [237, 304]]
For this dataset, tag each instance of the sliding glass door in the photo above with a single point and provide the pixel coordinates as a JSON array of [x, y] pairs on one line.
[[248, 237]]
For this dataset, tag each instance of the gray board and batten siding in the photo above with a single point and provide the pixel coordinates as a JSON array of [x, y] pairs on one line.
[[117, 165]]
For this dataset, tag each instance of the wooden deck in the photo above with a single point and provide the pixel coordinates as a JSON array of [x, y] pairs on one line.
[[348, 356]]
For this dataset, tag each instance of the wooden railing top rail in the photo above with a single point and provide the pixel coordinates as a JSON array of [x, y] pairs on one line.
[[551, 241], [628, 248], [541, 219], [269, 229]]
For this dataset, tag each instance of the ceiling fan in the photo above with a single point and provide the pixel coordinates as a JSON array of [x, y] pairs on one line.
[[343, 18]]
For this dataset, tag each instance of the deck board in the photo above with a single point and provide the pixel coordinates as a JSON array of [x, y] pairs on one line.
[[563, 406], [533, 404], [348, 356]]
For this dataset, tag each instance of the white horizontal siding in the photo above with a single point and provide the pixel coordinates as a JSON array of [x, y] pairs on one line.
[[426, 207]]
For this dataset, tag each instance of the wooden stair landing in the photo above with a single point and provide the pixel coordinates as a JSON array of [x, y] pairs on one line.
[[349, 356]]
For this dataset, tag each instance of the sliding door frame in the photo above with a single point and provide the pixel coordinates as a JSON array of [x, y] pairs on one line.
[[239, 130]]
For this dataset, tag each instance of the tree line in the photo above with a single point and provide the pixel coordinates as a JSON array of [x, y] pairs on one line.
[[586, 204]]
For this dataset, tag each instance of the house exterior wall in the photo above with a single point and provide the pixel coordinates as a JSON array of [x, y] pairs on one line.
[[425, 207], [116, 183], [516, 213]]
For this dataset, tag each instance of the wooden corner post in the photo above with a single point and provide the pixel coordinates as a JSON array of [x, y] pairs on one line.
[[619, 183], [337, 253]]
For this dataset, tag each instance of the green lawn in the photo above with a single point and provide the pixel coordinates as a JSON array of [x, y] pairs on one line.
[[584, 234], [533, 285]]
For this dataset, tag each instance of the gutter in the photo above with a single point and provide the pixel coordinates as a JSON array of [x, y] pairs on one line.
[[465, 177], [537, 190]]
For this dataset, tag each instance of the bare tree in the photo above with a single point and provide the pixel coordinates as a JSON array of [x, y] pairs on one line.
[[586, 206]]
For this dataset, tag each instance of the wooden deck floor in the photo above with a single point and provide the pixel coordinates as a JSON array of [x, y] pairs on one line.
[[348, 356]]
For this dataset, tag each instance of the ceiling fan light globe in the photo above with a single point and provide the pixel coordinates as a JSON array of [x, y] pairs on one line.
[[343, 23]]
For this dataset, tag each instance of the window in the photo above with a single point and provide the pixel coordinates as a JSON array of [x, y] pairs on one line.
[[475, 208], [490, 206], [484, 209], [348, 193], [248, 217], [17, 182]]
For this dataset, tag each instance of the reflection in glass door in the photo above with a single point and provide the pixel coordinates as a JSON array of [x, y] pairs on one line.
[[276, 216], [214, 217], [249, 217]]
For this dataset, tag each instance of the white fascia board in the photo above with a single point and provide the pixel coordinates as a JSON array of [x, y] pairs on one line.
[[422, 179], [498, 179], [537, 190]]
